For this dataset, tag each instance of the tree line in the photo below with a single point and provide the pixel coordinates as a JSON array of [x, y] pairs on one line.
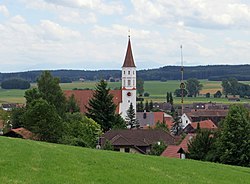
[[213, 72]]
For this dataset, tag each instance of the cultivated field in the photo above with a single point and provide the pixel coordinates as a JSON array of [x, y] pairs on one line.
[[33, 162], [156, 89]]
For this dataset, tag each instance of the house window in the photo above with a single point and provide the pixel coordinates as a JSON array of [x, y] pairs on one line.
[[133, 82], [129, 82], [133, 72], [127, 150], [124, 72], [186, 121], [124, 83], [129, 72]]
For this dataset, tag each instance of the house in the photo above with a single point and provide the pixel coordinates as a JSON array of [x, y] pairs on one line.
[[205, 124], [162, 106], [137, 140], [178, 151], [10, 106], [203, 114], [20, 133], [122, 98], [149, 119]]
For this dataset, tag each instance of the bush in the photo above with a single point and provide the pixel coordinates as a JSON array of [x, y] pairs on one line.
[[146, 94], [15, 84]]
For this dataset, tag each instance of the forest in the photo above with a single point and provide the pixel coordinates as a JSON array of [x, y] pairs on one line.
[[210, 72]]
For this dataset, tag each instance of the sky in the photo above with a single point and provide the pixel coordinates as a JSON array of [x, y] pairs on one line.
[[93, 34]]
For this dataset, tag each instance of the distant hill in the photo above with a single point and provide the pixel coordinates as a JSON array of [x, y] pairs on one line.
[[33, 162], [210, 72]]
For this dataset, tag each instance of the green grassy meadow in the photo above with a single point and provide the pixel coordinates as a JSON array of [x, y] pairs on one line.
[[33, 162], [156, 89]]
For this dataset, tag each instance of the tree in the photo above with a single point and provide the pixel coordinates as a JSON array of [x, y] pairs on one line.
[[151, 105], [16, 117], [108, 146], [15, 84], [41, 118], [119, 122], [158, 148], [81, 131], [146, 94], [178, 92], [167, 97], [31, 95], [218, 94], [193, 86], [50, 90], [162, 125], [101, 107], [140, 106], [171, 100], [200, 146], [146, 106], [130, 118], [140, 87], [234, 139], [71, 105]]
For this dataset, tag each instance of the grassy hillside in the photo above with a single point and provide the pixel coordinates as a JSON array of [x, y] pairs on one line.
[[29, 162]]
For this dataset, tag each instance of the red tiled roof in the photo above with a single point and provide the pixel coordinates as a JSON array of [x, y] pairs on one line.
[[171, 150], [129, 60], [26, 134], [158, 116], [83, 96], [206, 124]]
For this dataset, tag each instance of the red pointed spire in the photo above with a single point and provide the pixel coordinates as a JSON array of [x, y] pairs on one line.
[[129, 60]]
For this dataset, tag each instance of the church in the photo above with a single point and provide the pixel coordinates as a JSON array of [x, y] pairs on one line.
[[122, 98]]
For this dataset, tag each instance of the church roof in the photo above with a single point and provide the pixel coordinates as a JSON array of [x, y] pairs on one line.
[[129, 60]]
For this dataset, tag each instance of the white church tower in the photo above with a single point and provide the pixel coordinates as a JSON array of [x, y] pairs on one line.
[[128, 82]]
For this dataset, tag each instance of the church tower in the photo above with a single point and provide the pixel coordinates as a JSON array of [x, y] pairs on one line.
[[128, 82]]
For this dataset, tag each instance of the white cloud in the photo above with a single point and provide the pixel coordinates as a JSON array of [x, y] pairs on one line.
[[194, 13], [4, 10]]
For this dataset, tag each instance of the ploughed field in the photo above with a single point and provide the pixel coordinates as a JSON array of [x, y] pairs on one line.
[[33, 162], [156, 89]]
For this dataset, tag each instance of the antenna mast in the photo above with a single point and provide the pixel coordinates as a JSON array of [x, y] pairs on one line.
[[182, 85]]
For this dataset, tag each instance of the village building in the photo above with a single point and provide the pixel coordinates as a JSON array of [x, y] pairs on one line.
[[205, 124], [136, 140], [150, 119], [122, 98], [203, 114], [178, 151]]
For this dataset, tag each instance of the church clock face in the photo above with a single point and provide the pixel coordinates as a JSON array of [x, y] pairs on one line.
[[129, 94]]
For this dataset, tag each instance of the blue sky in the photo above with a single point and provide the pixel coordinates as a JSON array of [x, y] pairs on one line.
[[92, 34]]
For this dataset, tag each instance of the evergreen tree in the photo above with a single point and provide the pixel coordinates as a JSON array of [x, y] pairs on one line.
[[101, 107], [151, 105], [130, 119], [140, 106], [171, 100], [146, 106], [71, 105], [234, 140], [168, 100]]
